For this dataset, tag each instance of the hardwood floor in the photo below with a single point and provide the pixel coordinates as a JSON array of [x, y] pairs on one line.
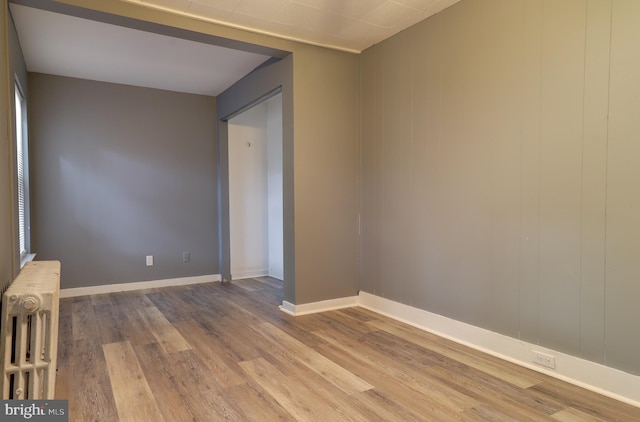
[[216, 351]]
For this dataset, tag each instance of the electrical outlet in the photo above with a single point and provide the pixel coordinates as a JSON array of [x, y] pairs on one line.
[[149, 261], [544, 359], [186, 257]]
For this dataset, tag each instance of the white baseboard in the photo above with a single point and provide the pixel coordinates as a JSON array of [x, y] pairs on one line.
[[322, 306], [240, 275], [592, 376], [125, 287]]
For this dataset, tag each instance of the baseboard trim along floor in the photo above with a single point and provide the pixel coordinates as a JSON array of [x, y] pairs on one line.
[[139, 285], [322, 306]]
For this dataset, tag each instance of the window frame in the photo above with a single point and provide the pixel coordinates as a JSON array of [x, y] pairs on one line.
[[21, 141]]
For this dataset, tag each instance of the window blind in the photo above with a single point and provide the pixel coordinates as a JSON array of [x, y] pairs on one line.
[[21, 176]]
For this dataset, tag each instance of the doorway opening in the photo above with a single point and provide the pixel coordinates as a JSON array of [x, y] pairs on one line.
[[256, 191]]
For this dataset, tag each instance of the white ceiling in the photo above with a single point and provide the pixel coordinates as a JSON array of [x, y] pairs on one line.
[[351, 25], [66, 45]]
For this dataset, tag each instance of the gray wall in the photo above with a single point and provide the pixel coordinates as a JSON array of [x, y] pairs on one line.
[[11, 67], [500, 171], [122, 172]]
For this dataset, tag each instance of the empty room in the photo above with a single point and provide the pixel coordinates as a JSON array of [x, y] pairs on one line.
[[321, 210]]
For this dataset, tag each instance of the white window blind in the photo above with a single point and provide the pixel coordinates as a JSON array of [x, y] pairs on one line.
[[21, 166]]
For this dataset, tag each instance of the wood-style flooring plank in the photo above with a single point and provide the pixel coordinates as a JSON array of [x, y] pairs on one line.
[[496, 395], [171, 305], [587, 402], [300, 400], [162, 330], [174, 403], [255, 405], [572, 415], [222, 365], [329, 370], [134, 324], [133, 300], [346, 319], [234, 338], [206, 392], [65, 331], [111, 322], [440, 401], [83, 319], [134, 400], [482, 362], [91, 396]]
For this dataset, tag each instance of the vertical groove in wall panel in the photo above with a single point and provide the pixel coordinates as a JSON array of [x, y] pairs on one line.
[[369, 206], [424, 169], [466, 153], [503, 141], [530, 170], [389, 171], [622, 289], [561, 171], [594, 169], [457, 294], [394, 169], [414, 188]]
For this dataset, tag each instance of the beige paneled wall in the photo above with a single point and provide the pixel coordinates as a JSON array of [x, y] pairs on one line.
[[500, 160], [622, 271]]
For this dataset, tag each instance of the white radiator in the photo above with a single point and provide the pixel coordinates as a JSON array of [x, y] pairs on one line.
[[29, 342]]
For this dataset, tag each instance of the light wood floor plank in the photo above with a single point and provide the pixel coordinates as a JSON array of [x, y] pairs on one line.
[[587, 401], [220, 365], [298, 399], [164, 332], [438, 400], [473, 359], [573, 415], [173, 402], [496, 395], [134, 400], [329, 370], [91, 392], [135, 325], [255, 405], [204, 392]]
